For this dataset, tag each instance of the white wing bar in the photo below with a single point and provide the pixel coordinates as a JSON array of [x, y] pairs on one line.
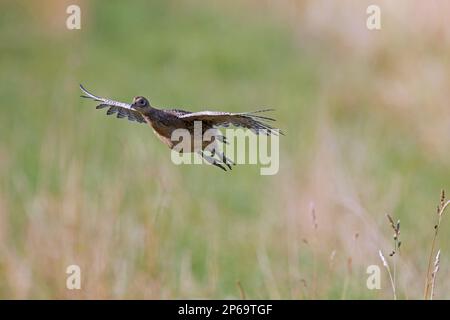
[[103, 100]]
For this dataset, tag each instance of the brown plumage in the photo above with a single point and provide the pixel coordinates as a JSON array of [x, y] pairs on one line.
[[164, 122]]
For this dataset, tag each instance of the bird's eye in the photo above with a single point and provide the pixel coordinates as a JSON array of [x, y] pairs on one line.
[[142, 102]]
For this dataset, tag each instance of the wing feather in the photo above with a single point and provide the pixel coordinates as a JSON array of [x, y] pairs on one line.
[[122, 109], [122, 113], [112, 110], [223, 119]]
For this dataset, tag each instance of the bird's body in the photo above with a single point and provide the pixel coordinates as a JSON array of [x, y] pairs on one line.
[[165, 122]]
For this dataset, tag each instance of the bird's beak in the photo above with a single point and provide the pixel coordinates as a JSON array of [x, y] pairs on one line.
[[133, 105]]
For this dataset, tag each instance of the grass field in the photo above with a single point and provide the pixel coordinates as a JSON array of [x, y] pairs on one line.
[[367, 124]]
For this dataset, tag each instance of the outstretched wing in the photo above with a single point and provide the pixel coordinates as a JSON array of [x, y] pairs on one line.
[[122, 109], [249, 120], [177, 112]]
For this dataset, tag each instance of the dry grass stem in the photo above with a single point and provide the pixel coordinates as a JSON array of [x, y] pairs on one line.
[[241, 291], [386, 265], [443, 204], [315, 240], [435, 271], [397, 243]]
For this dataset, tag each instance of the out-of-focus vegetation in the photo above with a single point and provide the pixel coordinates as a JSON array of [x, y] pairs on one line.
[[367, 125]]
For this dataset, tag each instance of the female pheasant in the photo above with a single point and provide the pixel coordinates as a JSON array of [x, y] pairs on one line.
[[165, 121]]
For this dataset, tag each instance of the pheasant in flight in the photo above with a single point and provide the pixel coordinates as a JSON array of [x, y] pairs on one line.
[[165, 121]]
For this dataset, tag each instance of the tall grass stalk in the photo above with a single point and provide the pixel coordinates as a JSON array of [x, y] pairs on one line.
[[397, 244], [315, 244], [435, 271], [440, 211], [386, 265]]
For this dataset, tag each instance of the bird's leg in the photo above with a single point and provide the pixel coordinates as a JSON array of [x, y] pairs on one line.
[[211, 160], [225, 160], [214, 150], [222, 157]]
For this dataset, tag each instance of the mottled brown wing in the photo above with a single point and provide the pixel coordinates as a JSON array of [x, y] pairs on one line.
[[249, 120], [123, 110], [177, 112]]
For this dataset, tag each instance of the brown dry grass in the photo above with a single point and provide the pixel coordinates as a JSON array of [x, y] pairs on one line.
[[367, 123]]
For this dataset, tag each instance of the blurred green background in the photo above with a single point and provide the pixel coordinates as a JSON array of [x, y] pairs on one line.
[[367, 133]]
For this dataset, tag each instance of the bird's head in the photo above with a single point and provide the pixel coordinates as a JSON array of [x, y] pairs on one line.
[[140, 103]]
